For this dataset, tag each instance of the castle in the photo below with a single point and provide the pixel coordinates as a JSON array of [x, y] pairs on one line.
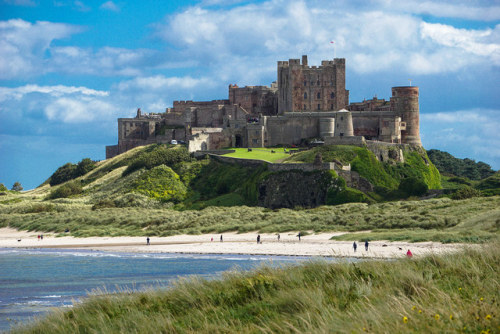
[[306, 102]]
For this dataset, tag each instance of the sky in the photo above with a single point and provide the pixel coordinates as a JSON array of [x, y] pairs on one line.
[[69, 69]]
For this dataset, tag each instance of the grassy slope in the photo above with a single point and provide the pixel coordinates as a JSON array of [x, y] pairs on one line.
[[363, 161], [446, 220], [435, 294]]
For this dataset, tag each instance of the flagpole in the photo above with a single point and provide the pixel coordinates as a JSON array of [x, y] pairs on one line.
[[334, 52]]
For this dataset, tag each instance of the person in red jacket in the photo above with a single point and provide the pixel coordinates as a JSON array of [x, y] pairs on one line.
[[408, 253]]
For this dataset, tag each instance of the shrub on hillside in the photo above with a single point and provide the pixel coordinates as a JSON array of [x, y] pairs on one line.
[[66, 190], [84, 166], [466, 192], [17, 187], [161, 183], [3, 187], [71, 171], [63, 174], [413, 186], [347, 195], [158, 155]]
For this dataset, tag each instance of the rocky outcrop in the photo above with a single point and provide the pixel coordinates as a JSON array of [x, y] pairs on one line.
[[296, 188]]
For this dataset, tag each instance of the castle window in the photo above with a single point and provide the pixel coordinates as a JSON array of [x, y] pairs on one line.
[[332, 95], [319, 106], [319, 95], [341, 118], [305, 107], [312, 83], [331, 106], [305, 83], [318, 83], [305, 95]]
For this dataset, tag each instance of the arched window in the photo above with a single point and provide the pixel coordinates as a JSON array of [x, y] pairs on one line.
[[319, 95], [332, 95], [305, 95]]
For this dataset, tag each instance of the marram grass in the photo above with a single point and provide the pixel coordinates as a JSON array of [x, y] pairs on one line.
[[456, 293], [473, 220]]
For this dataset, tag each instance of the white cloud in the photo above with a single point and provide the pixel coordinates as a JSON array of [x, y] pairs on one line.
[[160, 82], [372, 40], [465, 9], [77, 110], [18, 93], [23, 45], [105, 61], [110, 5], [483, 43]]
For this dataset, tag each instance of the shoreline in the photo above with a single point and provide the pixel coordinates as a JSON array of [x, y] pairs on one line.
[[314, 245]]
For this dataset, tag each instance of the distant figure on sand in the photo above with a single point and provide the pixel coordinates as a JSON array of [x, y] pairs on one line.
[[39, 237], [147, 241], [408, 253], [258, 239], [278, 237], [221, 238], [366, 245], [355, 246], [212, 239], [298, 236]]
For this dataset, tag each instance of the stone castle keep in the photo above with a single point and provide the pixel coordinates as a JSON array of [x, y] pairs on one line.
[[306, 102]]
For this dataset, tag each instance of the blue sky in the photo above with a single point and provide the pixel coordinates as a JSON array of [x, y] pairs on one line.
[[69, 69]]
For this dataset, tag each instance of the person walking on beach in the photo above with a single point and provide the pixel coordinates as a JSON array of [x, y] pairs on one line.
[[355, 246], [278, 237], [366, 245], [298, 236], [147, 241], [409, 253], [221, 238], [258, 239]]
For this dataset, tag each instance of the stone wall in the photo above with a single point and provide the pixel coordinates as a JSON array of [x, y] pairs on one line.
[[354, 140]]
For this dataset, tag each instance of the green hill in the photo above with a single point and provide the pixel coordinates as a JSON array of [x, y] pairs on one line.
[[161, 190]]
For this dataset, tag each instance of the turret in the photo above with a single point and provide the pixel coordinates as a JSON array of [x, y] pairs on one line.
[[343, 124], [404, 102]]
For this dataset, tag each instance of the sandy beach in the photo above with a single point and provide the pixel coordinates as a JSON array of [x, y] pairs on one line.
[[233, 243]]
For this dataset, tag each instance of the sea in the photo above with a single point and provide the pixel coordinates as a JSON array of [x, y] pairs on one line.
[[35, 281]]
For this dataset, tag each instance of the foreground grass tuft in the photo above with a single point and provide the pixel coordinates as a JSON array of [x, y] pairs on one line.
[[435, 294]]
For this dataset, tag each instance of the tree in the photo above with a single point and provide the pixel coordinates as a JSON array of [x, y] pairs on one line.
[[3, 187], [17, 187]]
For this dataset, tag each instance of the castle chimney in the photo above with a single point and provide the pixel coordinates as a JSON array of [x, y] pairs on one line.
[[304, 60]]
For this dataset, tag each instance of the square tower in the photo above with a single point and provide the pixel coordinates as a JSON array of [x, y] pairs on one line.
[[303, 88]]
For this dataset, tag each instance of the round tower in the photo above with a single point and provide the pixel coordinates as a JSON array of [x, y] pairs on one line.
[[326, 127], [404, 102], [343, 124]]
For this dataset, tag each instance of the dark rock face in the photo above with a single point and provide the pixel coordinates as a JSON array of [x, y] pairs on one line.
[[291, 189]]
